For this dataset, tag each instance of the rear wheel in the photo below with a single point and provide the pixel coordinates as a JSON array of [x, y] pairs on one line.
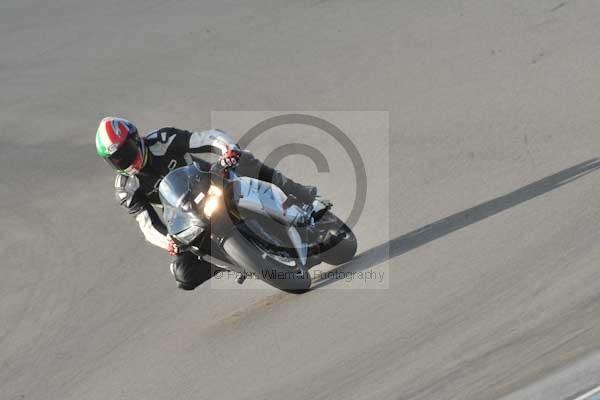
[[275, 269]]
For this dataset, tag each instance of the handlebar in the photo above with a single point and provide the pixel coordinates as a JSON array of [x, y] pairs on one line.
[[216, 169]]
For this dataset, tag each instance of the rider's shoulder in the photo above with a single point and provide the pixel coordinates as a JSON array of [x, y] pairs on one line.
[[163, 140], [126, 183], [126, 193], [163, 133]]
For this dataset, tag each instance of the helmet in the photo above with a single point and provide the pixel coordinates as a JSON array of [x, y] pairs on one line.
[[118, 142]]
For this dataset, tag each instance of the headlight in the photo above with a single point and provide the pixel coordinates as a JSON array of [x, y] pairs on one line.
[[189, 234], [212, 201], [215, 191], [211, 204]]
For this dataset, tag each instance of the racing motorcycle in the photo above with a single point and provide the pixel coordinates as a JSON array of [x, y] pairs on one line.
[[251, 227]]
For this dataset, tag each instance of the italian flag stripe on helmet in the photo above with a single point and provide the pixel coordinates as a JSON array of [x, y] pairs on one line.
[[100, 147], [111, 133]]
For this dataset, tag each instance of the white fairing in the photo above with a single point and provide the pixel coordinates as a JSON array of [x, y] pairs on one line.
[[265, 198]]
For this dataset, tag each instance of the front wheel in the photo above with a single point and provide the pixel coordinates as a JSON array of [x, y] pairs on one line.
[[275, 271]]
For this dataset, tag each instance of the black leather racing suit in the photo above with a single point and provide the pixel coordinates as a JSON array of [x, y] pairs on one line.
[[170, 148]]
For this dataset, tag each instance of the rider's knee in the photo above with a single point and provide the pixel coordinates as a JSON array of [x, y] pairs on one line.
[[189, 272]]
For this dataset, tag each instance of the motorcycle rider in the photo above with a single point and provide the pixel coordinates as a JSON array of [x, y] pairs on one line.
[[142, 163]]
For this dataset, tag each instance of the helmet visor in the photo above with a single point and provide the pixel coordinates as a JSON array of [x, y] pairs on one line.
[[125, 155]]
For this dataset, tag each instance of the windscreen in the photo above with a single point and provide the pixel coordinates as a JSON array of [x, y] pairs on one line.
[[175, 187], [177, 192]]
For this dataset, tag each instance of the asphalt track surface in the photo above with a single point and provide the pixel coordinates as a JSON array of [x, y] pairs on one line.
[[491, 239]]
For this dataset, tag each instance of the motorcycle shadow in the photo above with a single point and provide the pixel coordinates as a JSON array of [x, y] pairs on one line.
[[442, 227]]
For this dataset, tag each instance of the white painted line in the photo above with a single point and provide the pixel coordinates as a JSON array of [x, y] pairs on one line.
[[588, 395]]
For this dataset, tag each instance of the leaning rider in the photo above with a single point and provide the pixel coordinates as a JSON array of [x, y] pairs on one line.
[[142, 162]]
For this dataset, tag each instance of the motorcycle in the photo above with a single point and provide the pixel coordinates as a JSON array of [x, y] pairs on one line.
[[251, 227]]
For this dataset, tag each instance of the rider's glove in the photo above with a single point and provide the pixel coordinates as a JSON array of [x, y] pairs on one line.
[[230, 158], [172, 248]]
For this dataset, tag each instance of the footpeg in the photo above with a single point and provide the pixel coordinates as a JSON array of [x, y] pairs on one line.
[[241, 279]]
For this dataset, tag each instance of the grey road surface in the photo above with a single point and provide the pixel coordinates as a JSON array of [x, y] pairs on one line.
[[491, 237]]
